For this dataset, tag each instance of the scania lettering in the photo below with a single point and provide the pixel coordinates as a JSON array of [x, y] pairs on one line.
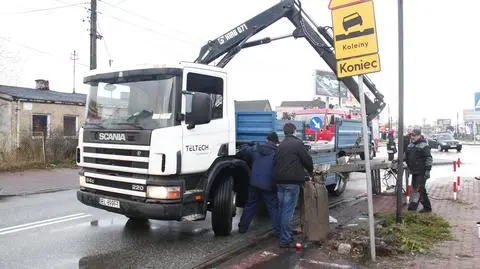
[[111, 136], [171, 112]]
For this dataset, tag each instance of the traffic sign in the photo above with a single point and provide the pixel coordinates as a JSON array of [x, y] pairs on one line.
[[354, 30], [316, 124], [358, 66], [477, 101]]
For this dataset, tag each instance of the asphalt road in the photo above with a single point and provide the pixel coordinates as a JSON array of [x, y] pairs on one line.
[[54, 230]]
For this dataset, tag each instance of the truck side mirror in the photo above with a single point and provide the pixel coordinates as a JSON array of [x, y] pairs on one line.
[[199, 109]]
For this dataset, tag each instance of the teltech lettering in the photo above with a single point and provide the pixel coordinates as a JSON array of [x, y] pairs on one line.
[[232, 33], [196, 147]]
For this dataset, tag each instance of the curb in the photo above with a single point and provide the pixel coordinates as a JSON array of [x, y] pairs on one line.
[[241, 247], [3, 195]]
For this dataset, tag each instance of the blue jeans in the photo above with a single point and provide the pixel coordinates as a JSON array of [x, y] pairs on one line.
[[287, 201], [255, 195]]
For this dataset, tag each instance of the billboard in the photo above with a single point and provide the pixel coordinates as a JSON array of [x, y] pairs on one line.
[[326, 84], [477, 101]]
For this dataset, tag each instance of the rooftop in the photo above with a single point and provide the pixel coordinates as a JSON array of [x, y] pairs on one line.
[[252, 106], [37, 95]]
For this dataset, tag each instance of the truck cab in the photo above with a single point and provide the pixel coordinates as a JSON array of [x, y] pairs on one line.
[[159, 143]]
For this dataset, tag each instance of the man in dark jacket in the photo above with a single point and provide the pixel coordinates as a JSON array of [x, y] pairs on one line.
[[261, 183], [419, 163], [290, 163]]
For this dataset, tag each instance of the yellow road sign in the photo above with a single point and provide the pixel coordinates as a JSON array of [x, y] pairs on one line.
[[354, 30], [358, 66]]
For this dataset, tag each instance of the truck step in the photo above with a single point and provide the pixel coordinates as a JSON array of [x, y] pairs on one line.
[[194, 217]]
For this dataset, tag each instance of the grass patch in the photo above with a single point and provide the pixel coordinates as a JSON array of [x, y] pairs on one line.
[[416, 234], [55, 151]]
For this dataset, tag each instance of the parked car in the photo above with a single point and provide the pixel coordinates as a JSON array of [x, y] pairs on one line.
[[444, 142]]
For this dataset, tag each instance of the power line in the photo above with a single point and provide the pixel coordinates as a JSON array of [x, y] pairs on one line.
[[150, 30], [43, 9], [105, 44], [37, 50], [152, 20]]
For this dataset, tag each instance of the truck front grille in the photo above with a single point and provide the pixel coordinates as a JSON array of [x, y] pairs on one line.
[[115, 157], [116, 169]]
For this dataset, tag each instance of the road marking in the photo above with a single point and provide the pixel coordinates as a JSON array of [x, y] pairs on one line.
[[327, 264], [36, 224]]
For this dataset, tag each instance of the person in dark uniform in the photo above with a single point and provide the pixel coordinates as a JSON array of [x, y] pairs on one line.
[[419, 163], [391, 146]]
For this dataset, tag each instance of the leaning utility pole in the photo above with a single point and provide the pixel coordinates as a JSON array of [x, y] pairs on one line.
[[74, 58], [93, 34]]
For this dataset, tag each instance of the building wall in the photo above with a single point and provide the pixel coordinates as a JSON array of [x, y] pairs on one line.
[[6, 109], [55, 113], [281, 109]]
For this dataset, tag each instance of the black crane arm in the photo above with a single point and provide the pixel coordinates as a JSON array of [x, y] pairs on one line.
[[230, 43]]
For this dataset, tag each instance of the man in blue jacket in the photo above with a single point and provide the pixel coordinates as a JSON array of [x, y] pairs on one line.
[[261, 183]]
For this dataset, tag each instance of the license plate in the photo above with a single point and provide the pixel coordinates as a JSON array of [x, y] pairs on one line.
[[109, 202]]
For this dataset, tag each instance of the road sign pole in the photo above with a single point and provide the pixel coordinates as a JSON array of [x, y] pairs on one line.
[[366, 150], [400, 113]]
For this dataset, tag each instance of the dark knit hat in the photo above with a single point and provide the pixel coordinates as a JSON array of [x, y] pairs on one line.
[[273, 137]]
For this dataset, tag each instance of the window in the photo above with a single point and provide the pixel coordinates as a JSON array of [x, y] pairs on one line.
[[39, 125], [210, 85], [69, 125]]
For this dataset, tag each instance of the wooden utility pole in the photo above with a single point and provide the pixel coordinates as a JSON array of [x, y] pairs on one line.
[[93, 34]]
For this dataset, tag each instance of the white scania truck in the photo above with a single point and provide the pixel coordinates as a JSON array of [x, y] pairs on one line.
[[160, 142]]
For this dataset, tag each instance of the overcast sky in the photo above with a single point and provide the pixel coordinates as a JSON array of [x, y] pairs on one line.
[[441, 47]]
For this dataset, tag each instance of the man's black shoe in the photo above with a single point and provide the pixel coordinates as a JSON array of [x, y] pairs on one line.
[[412, 207]]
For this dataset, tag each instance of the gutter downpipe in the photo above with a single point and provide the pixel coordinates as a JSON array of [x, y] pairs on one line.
[[18, 123]]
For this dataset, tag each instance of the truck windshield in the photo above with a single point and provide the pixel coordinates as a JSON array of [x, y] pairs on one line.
[[145, 104]]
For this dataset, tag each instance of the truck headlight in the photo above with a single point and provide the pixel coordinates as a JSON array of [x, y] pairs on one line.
[[163, 193]]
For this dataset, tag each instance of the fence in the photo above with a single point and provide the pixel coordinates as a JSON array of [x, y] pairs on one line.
[[35, 150]]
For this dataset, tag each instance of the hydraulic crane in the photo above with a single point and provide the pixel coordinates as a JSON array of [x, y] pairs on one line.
[[233, 41]]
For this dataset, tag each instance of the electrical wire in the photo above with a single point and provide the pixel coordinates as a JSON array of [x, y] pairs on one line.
[[43, 9], [104, 42], [37, 50], [150, 30], [152, 20]]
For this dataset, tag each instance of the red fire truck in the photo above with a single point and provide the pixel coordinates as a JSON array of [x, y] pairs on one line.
[[328, 115]]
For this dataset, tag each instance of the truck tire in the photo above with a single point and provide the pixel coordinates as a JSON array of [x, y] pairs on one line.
[[371, 155], [223, 208], [342, 185]]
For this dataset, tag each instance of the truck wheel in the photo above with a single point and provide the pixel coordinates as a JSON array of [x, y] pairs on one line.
[[370, 153], [223, 207], [439, 147], [342, 185], [459, 149]]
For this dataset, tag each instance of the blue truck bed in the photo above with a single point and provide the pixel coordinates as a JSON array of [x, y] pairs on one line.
[[255, 126]]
